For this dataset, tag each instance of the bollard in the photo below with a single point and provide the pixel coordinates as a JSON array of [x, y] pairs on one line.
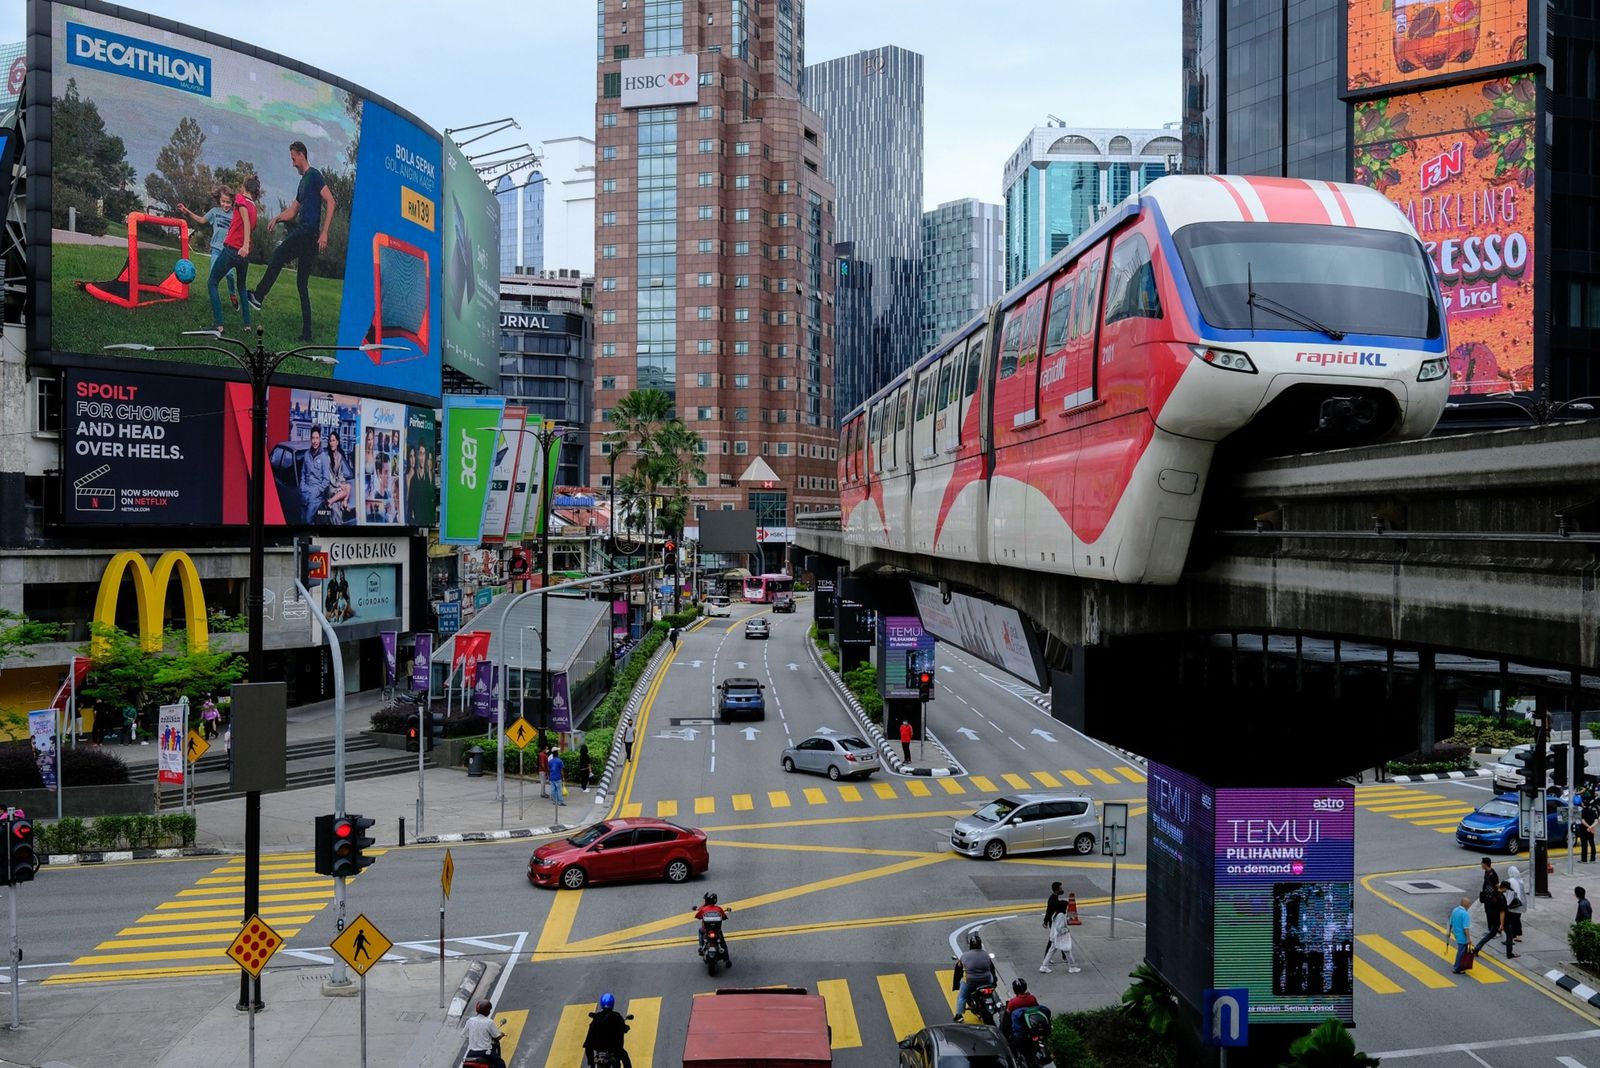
[[402, 832]]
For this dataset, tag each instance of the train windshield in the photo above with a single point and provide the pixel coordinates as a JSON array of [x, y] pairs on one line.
[[1324, 279]]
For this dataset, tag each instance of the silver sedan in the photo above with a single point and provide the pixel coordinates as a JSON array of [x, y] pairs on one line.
[[838, 756]]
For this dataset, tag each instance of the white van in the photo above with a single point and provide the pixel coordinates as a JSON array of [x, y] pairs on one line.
[[717, 605]]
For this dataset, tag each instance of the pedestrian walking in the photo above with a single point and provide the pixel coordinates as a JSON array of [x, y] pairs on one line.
[[544, 771], [1461, 935], [585, 767], [1585, 908], [672, 636], [1053, 907], [130, 724], [1060, 943], [1491, 883], [1495, 916], [1588, 823], [627, 742], [209, 717], [557, 769], [1515, 902], [905, 740]]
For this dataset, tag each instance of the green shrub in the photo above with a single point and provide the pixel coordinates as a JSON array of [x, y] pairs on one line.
[[177, 828], [1584, 938], [67, 835], [144, 831], [1113, 1042], [863, 682], [1443, 757], [1068, 1048], [1329, 1046], [108, 832], [1522, 729]]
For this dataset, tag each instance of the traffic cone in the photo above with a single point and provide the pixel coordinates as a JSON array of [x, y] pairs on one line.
[[1072, 910]]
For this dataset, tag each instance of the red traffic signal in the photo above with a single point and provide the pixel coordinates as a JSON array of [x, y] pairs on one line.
[[925, 679], [21, 860], [671, 545]]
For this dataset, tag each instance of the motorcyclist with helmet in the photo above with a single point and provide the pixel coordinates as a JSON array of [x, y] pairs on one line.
[[606, 1028], [975, 969], [483, 1038], [710, 910], [1013, 1024]]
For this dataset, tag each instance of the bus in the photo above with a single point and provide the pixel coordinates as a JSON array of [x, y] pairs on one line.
[[759, 589]]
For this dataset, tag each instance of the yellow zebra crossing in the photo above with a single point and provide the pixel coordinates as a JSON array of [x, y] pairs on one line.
[[828, 794], [1434, 812]]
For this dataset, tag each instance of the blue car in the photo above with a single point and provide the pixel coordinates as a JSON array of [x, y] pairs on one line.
[[1494, 825]]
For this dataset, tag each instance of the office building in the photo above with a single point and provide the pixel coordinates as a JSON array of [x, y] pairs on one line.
[[963, 265], [714, 233], [547, 356], [547, 212], [871, 103], [1061, 180]]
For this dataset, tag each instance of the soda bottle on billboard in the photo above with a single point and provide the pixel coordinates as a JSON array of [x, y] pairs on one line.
[[1431, 33]]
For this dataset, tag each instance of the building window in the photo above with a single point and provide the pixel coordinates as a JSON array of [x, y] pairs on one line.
[[741, 281], [783, 318], [783, 352], [741, 448], [608, 252], [707, 244], [607, 382], [608, 218], [703, 347], [741, 214], [704, 415], [741, 415], [741, 248], [783, 448], [707, 112], [608, 348], [703, 312], [705, 144], [784, 218], [707, 78], [704, 279], [608, 185], [741, 181], [620, 51], [741, 348], [47, 405], [611, 87], [707, 212], [783, 384], [783, 186], [705, 380], [741, 381], [741, 315], [741, 148], [608, 317], [782, 252], [609, 152], [705, 178], [608, 119], [608, 284]]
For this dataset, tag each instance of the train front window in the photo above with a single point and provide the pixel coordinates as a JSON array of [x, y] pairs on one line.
[[1350, 280]]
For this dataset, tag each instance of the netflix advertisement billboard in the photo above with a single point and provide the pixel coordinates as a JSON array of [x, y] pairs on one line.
[[1460, 163]]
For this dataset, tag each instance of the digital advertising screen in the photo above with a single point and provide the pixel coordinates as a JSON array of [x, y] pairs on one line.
[[1396, 42], [1459, 162], [361, 593], [193, 184], [904, 651], [994, 633], [1178, 905], [470, 227], [422, 465]]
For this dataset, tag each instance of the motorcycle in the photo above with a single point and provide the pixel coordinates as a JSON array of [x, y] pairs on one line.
[[474, 1060], [1033, 1044], [986, 1003], [605, 1058], [716, 945]]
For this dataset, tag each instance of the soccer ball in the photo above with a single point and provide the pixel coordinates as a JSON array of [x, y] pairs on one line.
[[184, 270]]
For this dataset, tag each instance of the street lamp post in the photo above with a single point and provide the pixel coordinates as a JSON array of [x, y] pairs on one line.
[[259, 365]]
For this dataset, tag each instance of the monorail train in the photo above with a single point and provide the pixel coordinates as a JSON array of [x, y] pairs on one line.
[[1070, 428]]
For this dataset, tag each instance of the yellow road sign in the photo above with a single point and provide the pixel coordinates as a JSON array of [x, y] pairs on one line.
[[197, 746], [520, 733], [447, 873], [361, 944], [255, 945]]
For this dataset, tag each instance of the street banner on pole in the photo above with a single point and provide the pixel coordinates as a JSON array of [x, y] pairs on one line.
[[421, 664], [503, 473], [169, 761], [42, 729], [483, 689], [471, 429], [391, 649], [560, 706]]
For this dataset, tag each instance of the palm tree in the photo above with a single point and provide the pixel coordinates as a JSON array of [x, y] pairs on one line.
[[674, 459]]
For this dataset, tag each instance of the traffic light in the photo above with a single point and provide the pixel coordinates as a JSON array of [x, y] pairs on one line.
[[340, 841], [21, 860], [925, 685], [412, 741], [362, 841]]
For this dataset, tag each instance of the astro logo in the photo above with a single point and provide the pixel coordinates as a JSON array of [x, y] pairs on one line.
[[1342, 359], [130, 57], [469, 460], [677, 77], [1328, 804]]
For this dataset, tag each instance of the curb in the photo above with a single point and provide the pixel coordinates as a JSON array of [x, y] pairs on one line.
[[469, 983], [110, 856], [1579, 991], [631, 709], [1434, 776], [489, 836], [889, 753]]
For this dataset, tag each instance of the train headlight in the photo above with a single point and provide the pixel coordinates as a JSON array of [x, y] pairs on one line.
[[1433, 370], [1227, 359]]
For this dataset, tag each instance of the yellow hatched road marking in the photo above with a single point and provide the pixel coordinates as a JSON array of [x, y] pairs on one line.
[[947, 976], [951, 786], [646, 1013], [512, 1023], [1438, 821], [904, 1016], [196, 940], [883, 790], [632, 810], [917, 788], [232, 926], [1375, 980], [152, 956], [321, 882], [1404, 961], [704, 805], [238, 899], [1131, 774], [1108, 779], [1076, 778], [850, 793], [1431, 943], [1046, 779], [1015, 781], [566, 1045], [984, 783], [665, 809], [743, 803], [777, 799], [844, 1031], [1420, 805], [277, 913], [64, 978], [815, 796]]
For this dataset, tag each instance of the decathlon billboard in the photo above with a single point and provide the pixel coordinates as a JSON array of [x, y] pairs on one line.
[[648, 83], [205, 174]]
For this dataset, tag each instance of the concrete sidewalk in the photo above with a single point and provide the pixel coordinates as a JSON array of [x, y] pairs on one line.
[[1544, 953], [1018, 945]]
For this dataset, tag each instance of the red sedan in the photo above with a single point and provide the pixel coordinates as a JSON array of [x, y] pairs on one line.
[[617, 850]]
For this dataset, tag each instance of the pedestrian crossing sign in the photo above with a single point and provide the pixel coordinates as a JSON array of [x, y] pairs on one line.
[[195, 746], [255, 945], [447, 873], [520, 733], [361, 944]]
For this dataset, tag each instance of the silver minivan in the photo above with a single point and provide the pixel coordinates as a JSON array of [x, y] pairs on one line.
[[1027, 823]]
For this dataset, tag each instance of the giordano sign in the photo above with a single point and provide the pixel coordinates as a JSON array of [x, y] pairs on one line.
[[150, 590]]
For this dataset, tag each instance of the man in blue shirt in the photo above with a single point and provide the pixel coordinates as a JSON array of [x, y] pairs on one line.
[[315, 477], [557, 777], [1461, 933], [308, 218]]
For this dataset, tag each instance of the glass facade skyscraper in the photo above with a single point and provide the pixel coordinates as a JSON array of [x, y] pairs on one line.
[[963, 268], [872, 104], [547, 212], [1061, 180], [521, 222]]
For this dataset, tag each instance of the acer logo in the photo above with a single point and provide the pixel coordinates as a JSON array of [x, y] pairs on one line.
[[469, 460], [1328, 804]]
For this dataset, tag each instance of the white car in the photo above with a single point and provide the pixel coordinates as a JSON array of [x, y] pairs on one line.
[[718, 606], [1511, 771]]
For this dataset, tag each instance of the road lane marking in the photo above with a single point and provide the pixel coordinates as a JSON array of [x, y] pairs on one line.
[[1375, 980], [704, 805], [823, 821], [1404, 961], [983, 783], [646, 1013], [1435, 946], [666, 809], [1419, 805], [566, 1045], [1438, 821], [65, 978], [1076, 778], [849, 793], [633, 810], [1108, 779], [845, 1031], [1045, 779], [557, 929], [815, 796], [917, 788], [743, 803], [843, 850], [904, 1016], [951, 785], [153, 924], [947, 978], [1015, 781], [777, 799], [1130, 774], [884, 790], [1493, 1043], [512, 1023]]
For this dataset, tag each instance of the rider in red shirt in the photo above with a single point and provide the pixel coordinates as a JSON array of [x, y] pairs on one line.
[[1020, 999], [708, 911]]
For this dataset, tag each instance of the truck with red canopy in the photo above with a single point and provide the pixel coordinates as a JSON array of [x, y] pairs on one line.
[[776, 1027]]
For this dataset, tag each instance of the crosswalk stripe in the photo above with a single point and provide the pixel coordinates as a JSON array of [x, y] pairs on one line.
[[1404, 961], [238, 899], [1109, 780], [1375, 980], [883, 790], [1438, 821], [1433, 944], [1418, 805], [904, 1016], [61, 978], [951, 786], [849, 793], [154, 924], [1046, 779], [566, 1045], [704, 806], [664, 809], [632, 810], [196, 940], [1076, 778], [777, 799], [917, 788], [512, 1024], [1130, 774], [646, 1013], [1015, 781], [815, 796], [984, 783], [947, 977], [844, 1031], [743, 803], [321, 882]]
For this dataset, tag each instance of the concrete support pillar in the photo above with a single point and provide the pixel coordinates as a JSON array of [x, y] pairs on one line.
[[1427, 695]]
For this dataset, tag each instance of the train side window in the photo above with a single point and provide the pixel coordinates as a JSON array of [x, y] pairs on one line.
[[944, 379], [1030, 332], [1011, 343], [1088, 294], [924, 395], [1133, 292], [974, 365], [875, 439], [1060, 321]]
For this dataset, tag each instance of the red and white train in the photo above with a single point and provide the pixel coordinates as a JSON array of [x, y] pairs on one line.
[[1070, 428]]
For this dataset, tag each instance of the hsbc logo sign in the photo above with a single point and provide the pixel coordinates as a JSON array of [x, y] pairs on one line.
[[659, 80]]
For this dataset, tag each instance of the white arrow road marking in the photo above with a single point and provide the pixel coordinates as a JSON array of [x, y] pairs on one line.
[[682, 734], [750, 733], [826, 730], [696, 663], [946, 667], [1046, 735], [740, 664], [971, 734], [794, 667]]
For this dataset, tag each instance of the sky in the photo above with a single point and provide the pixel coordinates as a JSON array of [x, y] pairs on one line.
[[988, 81]]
